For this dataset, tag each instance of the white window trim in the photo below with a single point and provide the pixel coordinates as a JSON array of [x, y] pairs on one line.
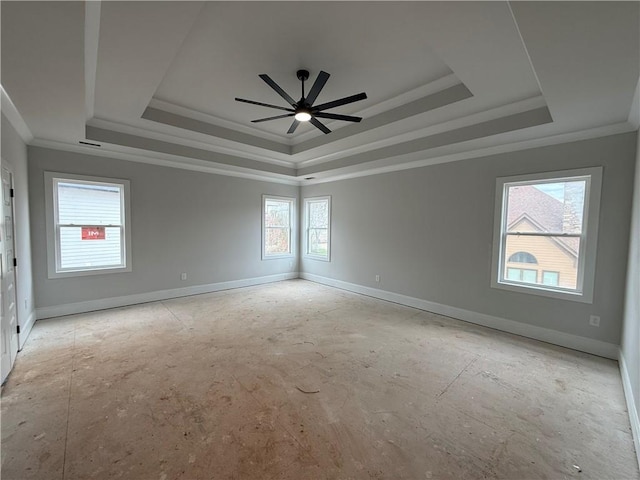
[[588, 239], [52, 241], [292, 227], [307, 254]]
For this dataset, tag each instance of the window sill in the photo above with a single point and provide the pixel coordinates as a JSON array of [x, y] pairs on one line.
[[84, 273], [316, 257], [277, 257], [543, 292]]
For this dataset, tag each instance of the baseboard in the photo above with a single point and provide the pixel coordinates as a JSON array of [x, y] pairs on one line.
[[25, 329], [631, 404], [575, 342], [583, 344], [105, 303]]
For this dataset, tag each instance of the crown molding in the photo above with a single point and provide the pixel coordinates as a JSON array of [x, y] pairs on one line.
[[482, 147], [412, 107], [215, 134], [194, 140], [454, 124], [214, 120], [389, 123], [13, 115], [478, 148], [166, 160], [426, 90], [430, 88]]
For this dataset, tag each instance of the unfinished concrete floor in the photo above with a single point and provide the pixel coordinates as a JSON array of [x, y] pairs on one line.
[[296, 380]]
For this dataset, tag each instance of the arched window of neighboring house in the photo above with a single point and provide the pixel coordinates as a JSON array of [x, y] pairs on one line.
[[522, 257]]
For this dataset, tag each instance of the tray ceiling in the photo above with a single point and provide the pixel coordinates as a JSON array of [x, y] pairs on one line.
[[156, 81]]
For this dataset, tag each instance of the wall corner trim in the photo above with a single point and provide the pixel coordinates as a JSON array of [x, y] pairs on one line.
[[575, 342], [634, 419], [158, 295]]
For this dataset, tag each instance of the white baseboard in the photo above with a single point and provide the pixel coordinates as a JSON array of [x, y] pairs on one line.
[[104, 303], [575, 342], [25, 329], [583, 344], [631, 404]]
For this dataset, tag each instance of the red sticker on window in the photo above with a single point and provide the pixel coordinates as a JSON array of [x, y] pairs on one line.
[[93, 233]]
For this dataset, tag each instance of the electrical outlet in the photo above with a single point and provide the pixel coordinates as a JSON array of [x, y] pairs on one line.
[[377, 278], [183, 276], [594, 321]]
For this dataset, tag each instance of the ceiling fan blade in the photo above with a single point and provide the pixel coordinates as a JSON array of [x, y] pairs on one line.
[[263, 104], [316, 123], [293, 126], [335, 116], [341, 101], [273, 118], [277, 88], [318, 85]]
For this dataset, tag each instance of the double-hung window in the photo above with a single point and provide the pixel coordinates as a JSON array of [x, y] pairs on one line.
[[87, 225], [317, 233], [546, 233], [278, 226]]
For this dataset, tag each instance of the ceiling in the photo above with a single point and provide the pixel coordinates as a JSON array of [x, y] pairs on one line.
[[155, 81]]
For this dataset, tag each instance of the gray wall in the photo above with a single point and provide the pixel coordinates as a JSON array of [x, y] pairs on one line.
[[631, 333], [208, 226], [14, 152], [428, 233]]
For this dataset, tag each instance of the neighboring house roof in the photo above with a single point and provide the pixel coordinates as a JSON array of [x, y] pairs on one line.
[[543, 211], [542, 208]]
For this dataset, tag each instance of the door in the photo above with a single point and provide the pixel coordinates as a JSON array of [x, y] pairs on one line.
[[9, 318]]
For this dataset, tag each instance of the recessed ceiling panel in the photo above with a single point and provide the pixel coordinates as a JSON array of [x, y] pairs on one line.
[[378, 47]]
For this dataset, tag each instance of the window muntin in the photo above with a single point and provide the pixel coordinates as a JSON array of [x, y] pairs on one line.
[[318, 227], [550, 218], [277, 227], [87, 225]]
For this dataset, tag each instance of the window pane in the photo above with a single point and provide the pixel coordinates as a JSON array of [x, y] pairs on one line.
[[79, 253], [319, 214], [529, 276], [550, 278], [541, 225], [514, 274], [553, 254], [277, 227], [277, 213], [89, 204], [318, 241], [277, 241], [522, 257], [546, 207]]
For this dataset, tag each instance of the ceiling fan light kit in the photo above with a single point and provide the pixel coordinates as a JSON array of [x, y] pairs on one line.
[[303, 110], [302, 115]]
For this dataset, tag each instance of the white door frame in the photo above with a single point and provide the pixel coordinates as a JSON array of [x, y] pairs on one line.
[[9, 302]]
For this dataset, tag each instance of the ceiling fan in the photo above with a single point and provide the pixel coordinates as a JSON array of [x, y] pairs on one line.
[[304, 110]]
